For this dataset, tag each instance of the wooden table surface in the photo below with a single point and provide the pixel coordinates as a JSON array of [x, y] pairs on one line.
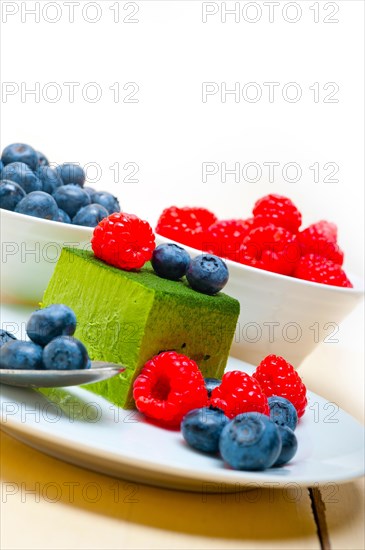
[[138, 516]]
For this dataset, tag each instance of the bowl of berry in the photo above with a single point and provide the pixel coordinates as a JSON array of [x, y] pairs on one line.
[[43, 208], [290, 281]]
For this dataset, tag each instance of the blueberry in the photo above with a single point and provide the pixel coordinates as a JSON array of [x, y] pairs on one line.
[[23, 176], [251, 441], [20, 152], [38, 204], [1, 168], [65, 353], [71, 173], [207, 274], [90, 191], [42, 159], [283, 412], [289, 445], [63, 217], [10, 194], [210, 384], [107, 200], [16, 354], [50, 179], [5, 337], [71, 198], [50, 322], [90, 215], [170, 261], [201, 429]]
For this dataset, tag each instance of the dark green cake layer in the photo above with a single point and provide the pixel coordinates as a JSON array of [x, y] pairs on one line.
[[128, 317]]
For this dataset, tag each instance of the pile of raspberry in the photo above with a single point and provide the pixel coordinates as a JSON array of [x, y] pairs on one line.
[[271, 239], [171, 384]]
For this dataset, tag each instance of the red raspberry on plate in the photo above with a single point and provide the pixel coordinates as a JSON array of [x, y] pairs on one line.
[[320, 239], [123, 240], [224, 237], [278, 377], [239, 393], [169, 386], [321, 270], [278, 210], [185, 225], [271, 248], [327, 230]]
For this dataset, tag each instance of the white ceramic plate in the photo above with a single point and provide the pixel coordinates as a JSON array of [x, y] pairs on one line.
[[122, 444]]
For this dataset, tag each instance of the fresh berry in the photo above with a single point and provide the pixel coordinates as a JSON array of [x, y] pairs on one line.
[[207, 274], [169, 386], [46, 324], [63, 217], [289, 445], [270, 248], [23, 176], [211, 384], [251, 441], [123, 240], [202, 428], [10, 194], [50, 179], [110, 203], [314, 240], [42, 159], [320, 270], [65, 353], [16, 354], [170, 261], [239, 393], [326, 230], [90, 215], [71, 173], [185, 225], [38, 204], [279, 211], [5, 337], [278, 377], [20, 152], [1, 168], [71, 198], [90, 191], [283, 412], [224, 238]]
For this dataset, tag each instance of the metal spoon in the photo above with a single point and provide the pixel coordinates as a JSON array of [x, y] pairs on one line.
[[58, 378]]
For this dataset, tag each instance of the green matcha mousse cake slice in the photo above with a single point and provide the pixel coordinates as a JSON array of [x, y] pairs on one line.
[[127, 317]]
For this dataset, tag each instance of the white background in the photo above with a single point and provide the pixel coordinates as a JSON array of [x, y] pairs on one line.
[[170, 131]]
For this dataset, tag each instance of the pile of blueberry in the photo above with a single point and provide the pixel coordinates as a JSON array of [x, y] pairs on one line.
[[29, 185], [206, 273], [250, 441], [51, 344]]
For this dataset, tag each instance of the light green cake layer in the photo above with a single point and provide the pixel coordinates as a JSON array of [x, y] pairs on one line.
[[128, 317]]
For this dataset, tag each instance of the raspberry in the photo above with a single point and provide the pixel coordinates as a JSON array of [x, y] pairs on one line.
[[320, 239], [321, 270], [327, 230], [278, 377], [123, 240], [239, 393], [271, 248], [279, 211], [224, 238], [185, 225], [169, 386]]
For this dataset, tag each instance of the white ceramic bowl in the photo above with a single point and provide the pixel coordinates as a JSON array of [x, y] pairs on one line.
[[283, 315], [30, 248], [279, 314]]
